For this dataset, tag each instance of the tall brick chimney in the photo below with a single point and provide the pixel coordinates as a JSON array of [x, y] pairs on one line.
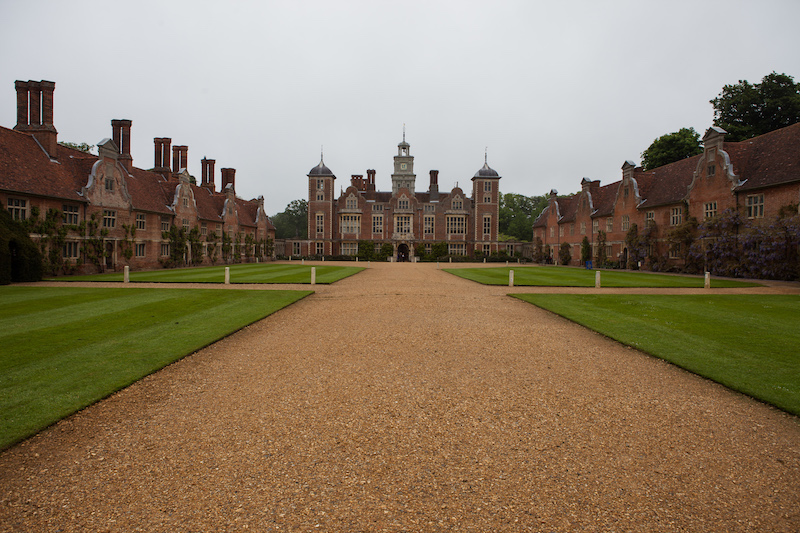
[[433, 188], [35, 112], [161, 160], [180, 158], [371, 180], [121, 133], [207, 179], [228, 177]]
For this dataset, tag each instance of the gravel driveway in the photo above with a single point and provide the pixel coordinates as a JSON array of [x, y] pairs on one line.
[[407, 399]]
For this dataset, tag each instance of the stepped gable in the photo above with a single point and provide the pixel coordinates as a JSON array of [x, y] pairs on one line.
[[26, 169], [767, 160]]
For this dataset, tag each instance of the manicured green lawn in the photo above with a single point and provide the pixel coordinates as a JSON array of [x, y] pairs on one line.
[[65, 348], [748, 343], [578, 277], [247, 273]]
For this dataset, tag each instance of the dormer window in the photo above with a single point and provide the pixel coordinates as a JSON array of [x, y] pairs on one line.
[[457, 203], [403, 203], [712, 169], [185, 202], [351, 202], [109, 184]]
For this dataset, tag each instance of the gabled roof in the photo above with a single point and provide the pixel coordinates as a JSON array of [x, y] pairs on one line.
[[668, 184], [767, 160], [603, 199], [25, 167]]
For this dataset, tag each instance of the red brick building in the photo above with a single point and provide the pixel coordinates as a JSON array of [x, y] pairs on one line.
[[403, 217], [111, 213], [757, 177]]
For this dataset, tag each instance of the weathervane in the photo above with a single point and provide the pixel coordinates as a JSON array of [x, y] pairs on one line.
[[404, 132], [486, 155]]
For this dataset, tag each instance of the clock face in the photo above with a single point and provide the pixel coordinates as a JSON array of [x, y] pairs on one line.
[[403, 166]]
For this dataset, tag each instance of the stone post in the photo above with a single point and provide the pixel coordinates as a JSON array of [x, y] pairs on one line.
[[597, 280], [227, 275]]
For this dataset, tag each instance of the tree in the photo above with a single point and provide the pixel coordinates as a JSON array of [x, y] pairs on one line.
[[83, 147], [586, 251], [517, 213], [745, 110], [565, 253], [292, 223], [672, 147]]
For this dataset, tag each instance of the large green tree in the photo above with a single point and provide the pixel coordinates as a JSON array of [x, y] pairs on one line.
[[745, 110], [672, 147], [517, 213], [292, 223]]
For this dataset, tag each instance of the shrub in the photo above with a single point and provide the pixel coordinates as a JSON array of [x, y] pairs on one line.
[[565, 253], [20, 259]]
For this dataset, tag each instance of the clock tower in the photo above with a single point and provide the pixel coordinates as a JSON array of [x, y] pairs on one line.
[[403, 175]]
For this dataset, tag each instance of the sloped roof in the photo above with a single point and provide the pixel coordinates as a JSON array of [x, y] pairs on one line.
[[668, 184], [568, 207], [603, 199], [25, 168], [766, 160]]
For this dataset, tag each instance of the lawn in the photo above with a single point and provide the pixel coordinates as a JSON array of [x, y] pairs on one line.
[[578, 277], [247, 273], [65, 348], [747, 343]]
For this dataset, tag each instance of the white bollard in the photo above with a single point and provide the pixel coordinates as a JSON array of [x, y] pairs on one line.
[[484, 260], [227, 275], [510, 278], [437, 265], [506, 263], [451, 259], [369, 263], [356, 259], [302, 261], [126, 274], [707, 284], [313, 275], [597, 280]]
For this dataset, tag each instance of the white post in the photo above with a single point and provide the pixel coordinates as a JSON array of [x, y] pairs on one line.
[[510, 278], [484, 260], [597, 280], [290, 258], [707, 284], [302, 261], [313, 275], [126, 275], [369, 263], [451, 259], [227, 275], [437, 265], [506, 263]]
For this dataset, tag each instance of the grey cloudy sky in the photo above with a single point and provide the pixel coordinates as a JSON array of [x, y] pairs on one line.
[[556, 90]]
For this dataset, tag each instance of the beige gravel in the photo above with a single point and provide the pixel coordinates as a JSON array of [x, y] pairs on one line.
[[406, 399]]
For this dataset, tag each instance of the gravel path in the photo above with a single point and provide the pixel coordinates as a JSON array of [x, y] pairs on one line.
[[406, 399]]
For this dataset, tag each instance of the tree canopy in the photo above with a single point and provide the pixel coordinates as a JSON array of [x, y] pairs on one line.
[[83, 147], [517, 213], [292, 223], [745, 110], [672, 147]]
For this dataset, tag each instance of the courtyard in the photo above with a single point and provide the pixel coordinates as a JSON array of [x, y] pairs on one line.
[[408, 399]]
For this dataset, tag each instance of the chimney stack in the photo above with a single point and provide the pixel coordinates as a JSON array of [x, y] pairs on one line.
[[180, 158], [228, 178], [207, 179], [433, 189], [371, 180], [121, 133], [161, 160], [35, 112]]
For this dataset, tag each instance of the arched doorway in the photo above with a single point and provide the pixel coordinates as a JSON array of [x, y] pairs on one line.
[[402, 252]]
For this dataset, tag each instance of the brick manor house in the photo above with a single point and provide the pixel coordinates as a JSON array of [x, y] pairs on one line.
[[402, 217], [758, 177], [116, 214]]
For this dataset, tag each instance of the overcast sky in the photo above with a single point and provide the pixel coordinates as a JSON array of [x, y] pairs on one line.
[[556, 90]]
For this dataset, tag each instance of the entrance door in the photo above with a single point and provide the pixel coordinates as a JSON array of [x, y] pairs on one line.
[[402, 252]]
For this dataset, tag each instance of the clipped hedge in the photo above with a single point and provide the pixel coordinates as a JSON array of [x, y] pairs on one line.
[[20, 259]]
